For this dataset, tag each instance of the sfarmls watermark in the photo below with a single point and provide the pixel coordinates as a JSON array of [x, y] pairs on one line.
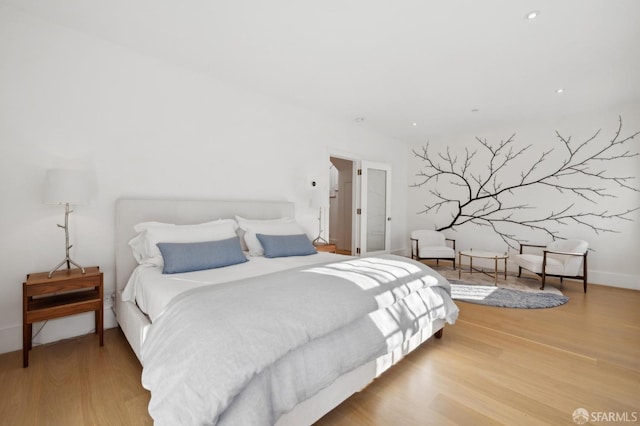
[[582, 416]]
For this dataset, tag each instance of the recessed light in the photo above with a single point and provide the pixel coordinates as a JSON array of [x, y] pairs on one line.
[[560, 90], [532, 15], [414, 124]]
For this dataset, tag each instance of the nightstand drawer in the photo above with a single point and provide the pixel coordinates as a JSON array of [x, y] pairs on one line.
[[61, 305], [37, 287]]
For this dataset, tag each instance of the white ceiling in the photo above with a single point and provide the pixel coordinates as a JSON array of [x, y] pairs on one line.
[[392, 62]]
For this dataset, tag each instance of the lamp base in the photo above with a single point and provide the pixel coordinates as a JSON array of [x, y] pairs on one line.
[[69, 262], [320, 241], [66, 259]]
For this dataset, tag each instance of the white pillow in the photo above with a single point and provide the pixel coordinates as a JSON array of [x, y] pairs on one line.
[[144, 245], [143, 226], [243, 223], [251, 227]]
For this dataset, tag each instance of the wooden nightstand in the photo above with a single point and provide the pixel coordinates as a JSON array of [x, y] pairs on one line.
[[329, 248], [67, 292]]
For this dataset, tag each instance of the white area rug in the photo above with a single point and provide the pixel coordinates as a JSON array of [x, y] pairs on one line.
[[505, 297], [514, 290]]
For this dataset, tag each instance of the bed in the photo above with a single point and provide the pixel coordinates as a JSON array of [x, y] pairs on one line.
[[268, 375]]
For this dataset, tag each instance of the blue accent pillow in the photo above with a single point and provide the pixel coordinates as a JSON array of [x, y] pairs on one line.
[[188, 257], [286, 245]]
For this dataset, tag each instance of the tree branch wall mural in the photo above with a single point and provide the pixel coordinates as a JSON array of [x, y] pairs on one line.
[[477, 187]]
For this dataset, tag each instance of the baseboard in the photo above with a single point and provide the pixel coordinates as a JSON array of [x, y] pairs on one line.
[[613, 279], [401, 252], [10, 338], [54, 330]]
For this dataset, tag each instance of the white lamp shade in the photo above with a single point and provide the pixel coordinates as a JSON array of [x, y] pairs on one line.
[[66, 186]]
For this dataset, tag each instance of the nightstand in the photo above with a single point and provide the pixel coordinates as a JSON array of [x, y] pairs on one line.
[[329, 248], [67, 292]]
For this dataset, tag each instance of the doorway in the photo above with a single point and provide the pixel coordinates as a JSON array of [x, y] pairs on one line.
[[341, 221]]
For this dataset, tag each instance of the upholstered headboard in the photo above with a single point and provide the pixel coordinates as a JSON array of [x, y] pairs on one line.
[[129, 212]]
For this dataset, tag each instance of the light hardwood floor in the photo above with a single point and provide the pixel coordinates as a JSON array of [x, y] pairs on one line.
[[494, 366]]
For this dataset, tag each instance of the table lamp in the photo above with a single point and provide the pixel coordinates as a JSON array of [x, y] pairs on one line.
[[66, 187]]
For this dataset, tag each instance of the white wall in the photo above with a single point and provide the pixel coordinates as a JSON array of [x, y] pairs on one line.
[[614, 259], [142, 128]]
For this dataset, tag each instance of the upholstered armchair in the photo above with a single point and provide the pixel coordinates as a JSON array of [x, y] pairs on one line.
[[427, 244], [561, 258]]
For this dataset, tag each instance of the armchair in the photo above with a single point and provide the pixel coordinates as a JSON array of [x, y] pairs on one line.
[[426, 244], [562, 258]]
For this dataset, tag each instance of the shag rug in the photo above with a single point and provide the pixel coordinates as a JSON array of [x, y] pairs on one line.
[[506, 297]]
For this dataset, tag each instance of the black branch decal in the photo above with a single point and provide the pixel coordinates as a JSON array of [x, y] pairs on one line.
[[475, 191]]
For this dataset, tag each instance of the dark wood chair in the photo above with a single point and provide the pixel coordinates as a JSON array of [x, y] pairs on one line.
[[561, 258], [426, 244]]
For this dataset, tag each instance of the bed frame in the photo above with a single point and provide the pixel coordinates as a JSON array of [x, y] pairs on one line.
[[134, 323]]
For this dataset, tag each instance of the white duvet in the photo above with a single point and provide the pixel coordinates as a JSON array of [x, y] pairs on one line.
[[245, 352]]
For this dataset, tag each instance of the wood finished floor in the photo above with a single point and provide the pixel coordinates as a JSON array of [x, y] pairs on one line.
[[494, 366]]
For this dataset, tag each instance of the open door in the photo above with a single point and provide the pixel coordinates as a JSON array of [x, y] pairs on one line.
[[375, 208]]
